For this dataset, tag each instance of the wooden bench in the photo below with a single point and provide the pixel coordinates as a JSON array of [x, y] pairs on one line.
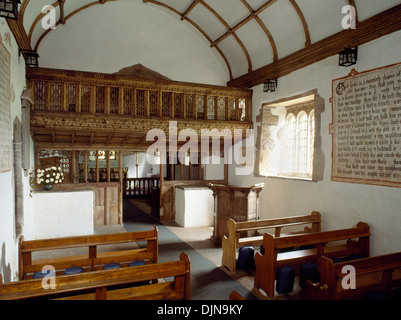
[[116, 284], [234, 295], [343, 243], [93, 259], [376, 274], [241, 234]]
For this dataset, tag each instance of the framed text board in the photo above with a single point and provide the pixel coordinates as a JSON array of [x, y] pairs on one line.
[[366, 128]]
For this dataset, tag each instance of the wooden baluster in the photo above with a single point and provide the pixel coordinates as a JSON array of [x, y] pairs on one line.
[[248, 107], [97, 166], [159, 104], [107, 100], [205, 107], [73, 167], [108, 165], [200, 169], [237, 110], [184, 106], [216, 108], [48, 95], [121, 100], [172, 105], [147, 106], [79, 98], [64, 106], [92, 101], [122, 186], [86, 166], [227, 109], [134, 107]]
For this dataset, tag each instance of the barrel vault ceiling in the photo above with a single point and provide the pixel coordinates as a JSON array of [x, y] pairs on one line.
[[256, 39]]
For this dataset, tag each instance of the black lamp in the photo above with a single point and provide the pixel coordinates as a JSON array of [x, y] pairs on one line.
[[9, 9], [31, 58], [348, 57], [270, 85]]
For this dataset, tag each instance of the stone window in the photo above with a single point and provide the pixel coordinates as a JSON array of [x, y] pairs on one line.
[[288, 142]]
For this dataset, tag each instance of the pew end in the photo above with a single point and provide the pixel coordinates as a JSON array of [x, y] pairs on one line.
[[236, 296], [380, 275], [298, 250], [245, 233]]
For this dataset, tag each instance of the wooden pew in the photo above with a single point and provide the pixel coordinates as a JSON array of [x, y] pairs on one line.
[[376, 274], [93, 259], [115, 284], [342, 244], [241, 234], [234, 295]]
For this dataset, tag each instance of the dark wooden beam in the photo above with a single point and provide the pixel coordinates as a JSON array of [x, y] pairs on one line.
[[17, 29], [368, 30], [62, 16]]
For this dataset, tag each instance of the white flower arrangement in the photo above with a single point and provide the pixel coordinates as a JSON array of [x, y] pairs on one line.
[[49, 176]]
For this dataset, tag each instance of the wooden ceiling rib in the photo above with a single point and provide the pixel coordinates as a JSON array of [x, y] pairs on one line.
[[250, 49], [37, 20], [304, 24], [253, 14], [368, 30], [230, 30]]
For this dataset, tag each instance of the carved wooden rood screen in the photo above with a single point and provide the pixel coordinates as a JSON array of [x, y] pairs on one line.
[[76, 115]]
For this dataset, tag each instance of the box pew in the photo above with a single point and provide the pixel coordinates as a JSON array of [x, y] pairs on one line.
[[380, 274], [342, 243], [93, 259], [242, 234], [117, 284]]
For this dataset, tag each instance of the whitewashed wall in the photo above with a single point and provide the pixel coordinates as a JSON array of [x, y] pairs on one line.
[[342, 205], [8, 240], [194, 206], [62, 214]]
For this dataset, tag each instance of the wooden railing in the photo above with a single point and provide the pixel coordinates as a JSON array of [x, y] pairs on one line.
[[94, 93], [139, 187]]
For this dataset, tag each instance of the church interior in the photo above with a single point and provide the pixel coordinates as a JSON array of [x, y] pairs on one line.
[[212, 149]]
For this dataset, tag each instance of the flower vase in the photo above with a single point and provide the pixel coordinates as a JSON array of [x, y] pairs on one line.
[[47, 187]]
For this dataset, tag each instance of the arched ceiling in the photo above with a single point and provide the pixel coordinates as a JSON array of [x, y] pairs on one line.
[[255, 38]]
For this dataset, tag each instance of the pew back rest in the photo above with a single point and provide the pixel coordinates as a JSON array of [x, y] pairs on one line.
[[320, 239], [379, 272], [314, 219], [101, 281], [267, 264], [239, 233], [93, 259]]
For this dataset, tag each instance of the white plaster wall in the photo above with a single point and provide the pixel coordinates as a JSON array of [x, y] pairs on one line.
[[214, 168], [8, 240], [112, 36], [144, 167], [194, 207], [342, 205], [62, 214]]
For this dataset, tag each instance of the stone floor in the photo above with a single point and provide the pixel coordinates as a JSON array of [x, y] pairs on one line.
[[198, 238]]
